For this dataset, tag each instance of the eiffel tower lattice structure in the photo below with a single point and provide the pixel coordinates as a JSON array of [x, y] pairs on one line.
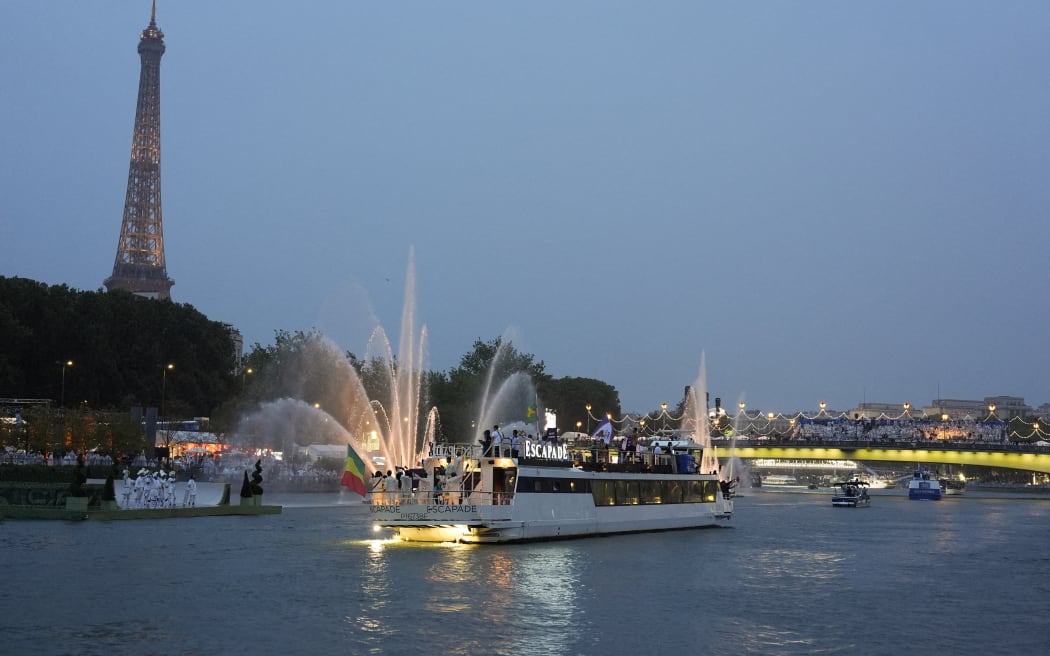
[[139, 266]]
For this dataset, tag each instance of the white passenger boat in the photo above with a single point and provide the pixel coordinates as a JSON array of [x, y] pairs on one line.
[[779, 479], [924, 487], [555, 491], [952, 486], [854, 495]]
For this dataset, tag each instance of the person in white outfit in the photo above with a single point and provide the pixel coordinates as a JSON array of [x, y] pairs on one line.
[[390, 486], [140, 486], [497, 442], [147, 490], [172, 493], [125, 494], [191, 492]]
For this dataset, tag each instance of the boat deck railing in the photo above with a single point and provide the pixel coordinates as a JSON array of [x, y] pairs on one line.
[[454, 497]]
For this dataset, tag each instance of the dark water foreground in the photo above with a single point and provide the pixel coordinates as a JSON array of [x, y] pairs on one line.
[[793, 576]]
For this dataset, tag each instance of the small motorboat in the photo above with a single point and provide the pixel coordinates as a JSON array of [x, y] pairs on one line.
[[854, 495]]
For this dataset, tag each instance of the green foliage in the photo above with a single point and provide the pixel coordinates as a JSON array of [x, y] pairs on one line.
[[119, 344], [570, 396], [457, 394]]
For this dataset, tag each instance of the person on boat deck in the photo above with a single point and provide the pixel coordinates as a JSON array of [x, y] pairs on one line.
[[497, 442], [515, 443], [453, 489], [439, 488], [374, 483], [390, 487], [500, 442], [406, 485], [486, 443], [727, 488]]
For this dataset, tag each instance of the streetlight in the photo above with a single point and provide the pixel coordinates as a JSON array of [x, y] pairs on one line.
[[663, 416], [588, 406], [579, 424], [991, 411], [164, 385], [244, 375], [823, 404], [67, 363]]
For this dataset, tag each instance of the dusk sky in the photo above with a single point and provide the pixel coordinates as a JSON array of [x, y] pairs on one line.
[[827, 200]]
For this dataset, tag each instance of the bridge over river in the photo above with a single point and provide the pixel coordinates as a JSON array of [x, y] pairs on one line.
[[1005, 456]]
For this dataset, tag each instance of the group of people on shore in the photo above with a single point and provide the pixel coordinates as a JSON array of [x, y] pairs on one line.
[[155, 490]]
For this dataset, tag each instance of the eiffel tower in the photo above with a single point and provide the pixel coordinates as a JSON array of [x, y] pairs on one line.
[[139, 266]]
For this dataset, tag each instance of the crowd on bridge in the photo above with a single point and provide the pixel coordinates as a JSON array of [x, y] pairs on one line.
[[902, 430]]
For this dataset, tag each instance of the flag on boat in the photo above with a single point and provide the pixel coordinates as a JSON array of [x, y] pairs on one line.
[[531, 414], [354, 474], [603, 431]]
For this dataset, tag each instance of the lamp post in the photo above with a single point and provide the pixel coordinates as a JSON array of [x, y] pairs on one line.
[[588, 407], [907, 408], [579, 425], [244, 376], [991, 412], [67, 363], [164, 385], [663, 416], [770, 416], [740, 426], [823, 404]]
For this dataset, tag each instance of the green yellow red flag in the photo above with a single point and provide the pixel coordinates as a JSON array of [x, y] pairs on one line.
[[354, 474]]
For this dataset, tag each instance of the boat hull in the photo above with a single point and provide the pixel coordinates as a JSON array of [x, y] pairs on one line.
[[851, 502], [927, 494], [529, 515], [471, 529]]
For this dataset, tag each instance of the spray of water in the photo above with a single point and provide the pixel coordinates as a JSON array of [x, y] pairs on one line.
[[389, 424]]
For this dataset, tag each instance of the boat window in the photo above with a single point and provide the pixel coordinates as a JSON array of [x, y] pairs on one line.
[[602, 492], [552, 485], [694, 492], [652, 492], [673, 492]]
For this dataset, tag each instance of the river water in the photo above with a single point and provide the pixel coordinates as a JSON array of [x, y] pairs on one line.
[[792, 575]]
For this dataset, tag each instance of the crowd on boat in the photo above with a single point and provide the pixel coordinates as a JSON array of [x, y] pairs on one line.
[[409, 486]]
